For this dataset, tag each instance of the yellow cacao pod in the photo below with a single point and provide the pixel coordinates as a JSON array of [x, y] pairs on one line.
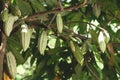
[[4, 15], [26, 35], [11, 64], [8, 25], [42, 42], [6, 77], [59, 23], [101, 42]]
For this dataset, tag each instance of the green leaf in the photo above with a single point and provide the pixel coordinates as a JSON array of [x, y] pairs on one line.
[[14, 47], [94, 35], [79, 74], [37, 6], [24, 7], [73, 16], [52, 3], [78, 54]]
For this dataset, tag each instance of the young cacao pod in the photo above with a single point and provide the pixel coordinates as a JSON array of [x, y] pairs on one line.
[[8, 25], [96, 9], [11, 64], [101, 42], [42, 42], [59, 23], [26, 35], [72, 46]]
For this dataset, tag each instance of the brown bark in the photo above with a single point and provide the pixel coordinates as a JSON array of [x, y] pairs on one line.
[[2, 53], [2, 38]]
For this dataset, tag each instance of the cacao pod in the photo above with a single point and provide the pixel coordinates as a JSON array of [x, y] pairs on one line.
[[59, 23], [72, 46], [42, 42], [8, 25], [107, 36], [6, 77], [96, 9], [4, 15], [11, 64], [26, 35], [101, 42]]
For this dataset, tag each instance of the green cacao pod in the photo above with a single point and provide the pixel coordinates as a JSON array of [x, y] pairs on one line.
[[11, 64], [72, 46], [42, 42], [4, 15], [59, 23], [8, 25], [96, 10], [26, 35]]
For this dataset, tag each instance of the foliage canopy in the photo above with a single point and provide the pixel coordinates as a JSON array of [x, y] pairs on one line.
[[78, 52]]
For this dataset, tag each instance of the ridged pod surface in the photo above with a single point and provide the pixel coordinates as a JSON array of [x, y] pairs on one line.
[[8, 25], [59, 23], [11, 64], [26, 35], [42, 42]]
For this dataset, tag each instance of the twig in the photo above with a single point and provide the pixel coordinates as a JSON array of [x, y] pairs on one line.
[[74, 34], [57, 10], [86, 23], [32, 17], [60, 5], [6, 4], [107, 23], [51, 21]]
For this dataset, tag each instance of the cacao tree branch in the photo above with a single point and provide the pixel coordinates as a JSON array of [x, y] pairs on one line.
[[30, 18], [71, 8], [74, 34]]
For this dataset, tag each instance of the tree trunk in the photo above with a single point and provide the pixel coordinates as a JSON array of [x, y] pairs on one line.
[[2, 53], [2, 42]]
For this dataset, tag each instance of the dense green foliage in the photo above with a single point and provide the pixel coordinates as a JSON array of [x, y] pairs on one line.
[[75, 53]]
